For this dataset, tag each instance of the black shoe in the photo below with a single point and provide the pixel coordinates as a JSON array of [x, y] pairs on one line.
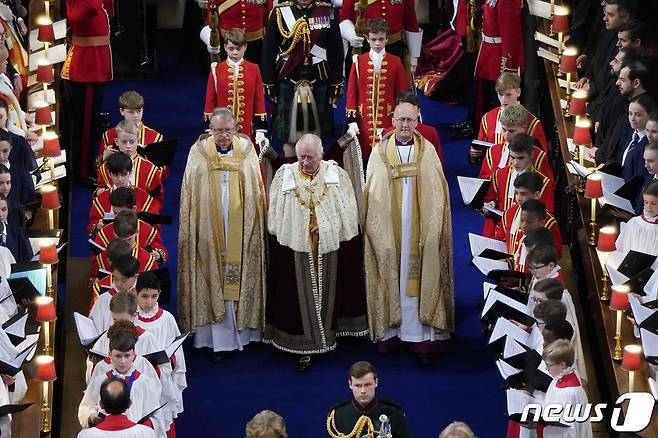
[[463, 133], [425, 360], [303, 363], [459, 126]]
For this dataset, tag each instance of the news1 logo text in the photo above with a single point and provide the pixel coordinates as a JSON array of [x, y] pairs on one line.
[[637, 418]]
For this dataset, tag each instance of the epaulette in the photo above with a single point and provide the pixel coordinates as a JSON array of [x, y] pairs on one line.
[[340, 405], [282, 4], [389, 403], [327, 4]]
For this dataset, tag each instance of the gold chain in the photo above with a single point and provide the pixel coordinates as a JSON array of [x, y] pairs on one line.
[[362, 422], [300, 30]]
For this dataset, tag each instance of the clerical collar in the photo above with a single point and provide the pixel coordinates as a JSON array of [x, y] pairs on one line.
[[363, 410], [221, 151], [309, 176], [399, 142]]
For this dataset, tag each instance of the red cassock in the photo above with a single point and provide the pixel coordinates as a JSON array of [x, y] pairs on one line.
[[89, 58], [148, 237], [502, 45], [509, 230], [494, 155], [148, 177], [399, 14], [248, 15], [101, 205], [501, 180], [244, 95], [102, 262], [146, 136], [491, 119], [371, 97]]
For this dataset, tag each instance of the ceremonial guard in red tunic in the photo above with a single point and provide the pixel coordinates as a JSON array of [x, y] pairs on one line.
[[236, 84], [376, 78], [501, 48], [302, 68], [248, 15], [402, 25], [88, 66]]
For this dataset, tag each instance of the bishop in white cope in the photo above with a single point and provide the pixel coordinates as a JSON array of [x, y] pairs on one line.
[[221, 243], [408, 241]]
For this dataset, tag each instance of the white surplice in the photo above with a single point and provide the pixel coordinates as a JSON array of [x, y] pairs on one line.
[[224, 335], [410, 329]]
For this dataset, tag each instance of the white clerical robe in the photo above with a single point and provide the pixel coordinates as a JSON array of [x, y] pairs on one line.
[[146, 344], [144, 395], [164, 329], [8, 397], [118, 426], [410, 328], [224, 335], [566, 390], [100, 311], [639, 234]]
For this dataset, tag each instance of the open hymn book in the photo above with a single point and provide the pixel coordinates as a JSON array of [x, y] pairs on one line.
[[473, 190], [505, 329], [88, 334], [164, 356], [499, 305]]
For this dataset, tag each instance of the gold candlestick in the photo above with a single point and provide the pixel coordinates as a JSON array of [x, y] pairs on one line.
[[617, 355]]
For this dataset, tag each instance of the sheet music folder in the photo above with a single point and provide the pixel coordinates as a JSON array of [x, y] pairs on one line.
[[164, 356], [473, 191], [161, 153]]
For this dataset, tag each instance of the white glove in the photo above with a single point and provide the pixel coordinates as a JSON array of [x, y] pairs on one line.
[[353, 129], [260, 138], [413, 62], [205, 37], [349, 34]]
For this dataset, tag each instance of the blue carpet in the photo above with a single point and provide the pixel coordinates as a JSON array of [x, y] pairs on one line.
[[221, 398]]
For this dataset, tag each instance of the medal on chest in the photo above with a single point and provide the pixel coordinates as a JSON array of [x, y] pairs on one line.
[[316, 23]]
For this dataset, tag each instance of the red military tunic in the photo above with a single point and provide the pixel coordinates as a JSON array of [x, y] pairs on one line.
[[101, 205], [248, 15], [101, 262], [146, 136], [371, 96], [502, 44], [494, 156], [89, 58], [510, 232], [148, 237], [399, 14], [147, 176], [490, 129], [520, 252], [501, 181], [244, 95]]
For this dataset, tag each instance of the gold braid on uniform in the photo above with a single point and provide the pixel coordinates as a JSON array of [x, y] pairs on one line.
[[300, 31], [356, 432]]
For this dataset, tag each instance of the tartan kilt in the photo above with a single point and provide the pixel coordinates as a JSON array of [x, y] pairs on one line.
[[285, 94]]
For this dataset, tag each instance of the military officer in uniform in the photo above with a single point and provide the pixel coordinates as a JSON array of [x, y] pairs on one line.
[[302, 68], [364, 414], [248, 15]]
